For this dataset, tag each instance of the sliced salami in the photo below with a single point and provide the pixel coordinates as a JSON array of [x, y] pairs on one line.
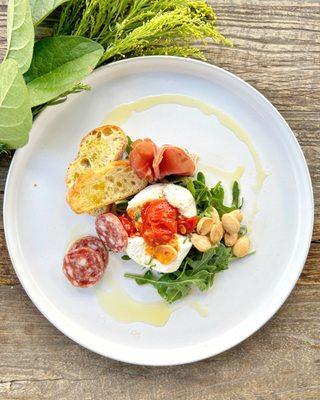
[[93, 243], [83, 267], [111, 232]]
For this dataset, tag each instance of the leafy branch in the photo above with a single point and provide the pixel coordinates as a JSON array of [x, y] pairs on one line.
[[79, 87], [142, 27]]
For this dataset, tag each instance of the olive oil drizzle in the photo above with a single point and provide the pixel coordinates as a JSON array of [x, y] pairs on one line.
[[115, 301]]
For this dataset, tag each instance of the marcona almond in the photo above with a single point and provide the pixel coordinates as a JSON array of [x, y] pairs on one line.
[[230, 223], [204, 226], [242, 246], [165, 253], [201, 243], [230, 239], [216, 233], [237, 214]]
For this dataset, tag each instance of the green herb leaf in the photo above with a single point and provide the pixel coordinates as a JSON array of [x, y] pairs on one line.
[[20, 33], [201, 178], [235, 195], [126, 258], [128, 148], [58, 64], [121, 206], [207, 198], [197, 270], [40, 9], [15, 111]]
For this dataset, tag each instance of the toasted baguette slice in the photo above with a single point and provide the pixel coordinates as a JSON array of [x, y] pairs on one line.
[[94, 189], [97, 149]]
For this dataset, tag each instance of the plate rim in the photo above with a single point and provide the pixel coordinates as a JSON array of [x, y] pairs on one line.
[[164, 356]]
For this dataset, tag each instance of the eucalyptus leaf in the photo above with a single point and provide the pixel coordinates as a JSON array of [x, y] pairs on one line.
[[15, 111], [40, 9], [20, 33], [58, 64]]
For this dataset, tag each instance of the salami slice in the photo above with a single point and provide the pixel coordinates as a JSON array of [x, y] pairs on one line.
[[83, 267], [93, 243], [111, 232]]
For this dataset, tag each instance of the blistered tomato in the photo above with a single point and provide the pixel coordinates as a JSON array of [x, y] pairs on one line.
[[186, 225], [128, 224], [159, 222]]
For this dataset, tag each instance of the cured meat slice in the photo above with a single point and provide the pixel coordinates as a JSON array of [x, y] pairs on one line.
[[83, 267], [141, 158], [171, 160], [93, 243], [111, 231]]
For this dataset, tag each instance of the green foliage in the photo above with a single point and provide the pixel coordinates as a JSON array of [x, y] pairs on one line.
[[198, 270], [20, 33], [123, 28], [40, 9], [15, 111], [206, 197], [58, 64], [4, 149], [128, 148], [79, 87], [142, 27]]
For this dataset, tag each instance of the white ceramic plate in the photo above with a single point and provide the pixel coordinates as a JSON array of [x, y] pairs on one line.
[[39, 225]]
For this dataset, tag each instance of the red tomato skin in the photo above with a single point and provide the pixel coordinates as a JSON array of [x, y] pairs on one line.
[[128, 224], [187, 225], [159, 222]]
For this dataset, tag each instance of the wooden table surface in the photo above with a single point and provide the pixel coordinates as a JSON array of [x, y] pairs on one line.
[[277, 50]]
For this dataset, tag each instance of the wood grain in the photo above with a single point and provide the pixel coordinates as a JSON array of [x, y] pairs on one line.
[[277, 50]]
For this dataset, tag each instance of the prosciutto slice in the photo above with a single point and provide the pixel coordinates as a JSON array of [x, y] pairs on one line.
[[153, 163], [171, 160], [141, 158]]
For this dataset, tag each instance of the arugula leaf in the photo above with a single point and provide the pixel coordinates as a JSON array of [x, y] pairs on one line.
[[58, 64], [121, 205], [20, 33], [40, 9], [236, 195], [15, 111], [197, 270], [129, 148], [207, 198]]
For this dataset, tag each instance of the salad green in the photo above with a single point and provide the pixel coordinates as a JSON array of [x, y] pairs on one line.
[[198, 269]]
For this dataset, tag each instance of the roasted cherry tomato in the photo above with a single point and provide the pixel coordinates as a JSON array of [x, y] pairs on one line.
[[159, 222], [128, 224], [186, 225]]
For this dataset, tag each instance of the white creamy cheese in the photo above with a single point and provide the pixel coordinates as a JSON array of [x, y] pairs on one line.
[[136, 250], [178, 197]]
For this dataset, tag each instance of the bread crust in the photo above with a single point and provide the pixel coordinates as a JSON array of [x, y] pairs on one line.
[[98, 149]]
